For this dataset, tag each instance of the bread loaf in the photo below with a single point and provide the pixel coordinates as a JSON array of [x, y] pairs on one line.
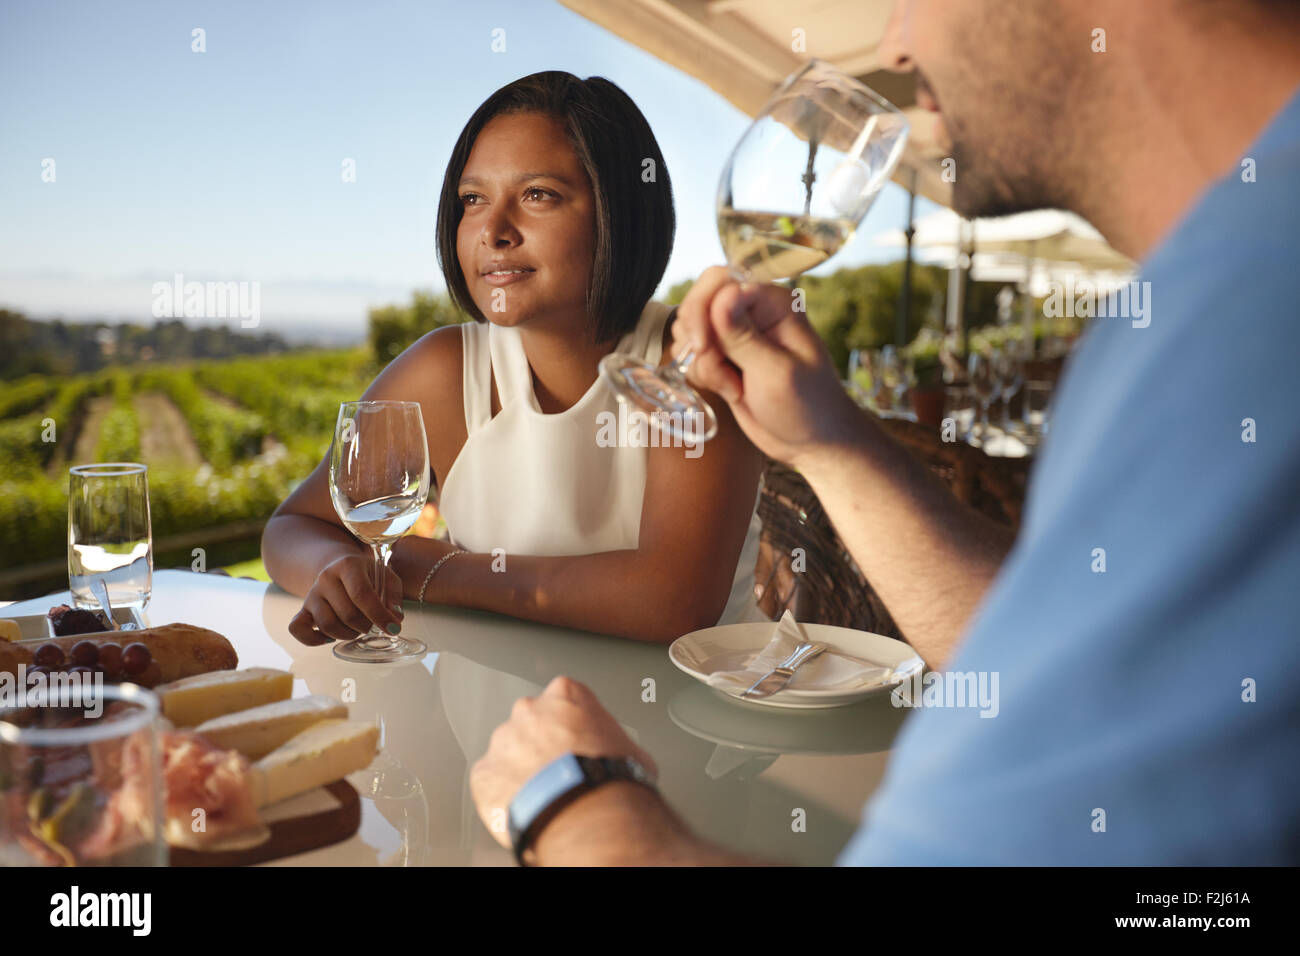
[[178, 650]]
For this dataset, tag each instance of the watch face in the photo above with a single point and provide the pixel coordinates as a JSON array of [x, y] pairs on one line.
[[552, 781]]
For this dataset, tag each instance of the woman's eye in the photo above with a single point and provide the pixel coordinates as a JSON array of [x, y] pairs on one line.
[[469, 199], [536, 192]]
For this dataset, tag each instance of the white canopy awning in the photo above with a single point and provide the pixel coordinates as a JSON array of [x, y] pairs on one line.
[[1047, 235], [743, 49]]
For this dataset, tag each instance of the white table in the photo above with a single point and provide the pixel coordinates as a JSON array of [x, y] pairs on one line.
[[738, 773]]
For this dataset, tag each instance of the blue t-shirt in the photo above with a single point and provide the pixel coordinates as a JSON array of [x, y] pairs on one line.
[[1148, 713]]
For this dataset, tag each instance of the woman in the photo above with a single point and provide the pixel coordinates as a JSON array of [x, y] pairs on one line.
[[552, 235]]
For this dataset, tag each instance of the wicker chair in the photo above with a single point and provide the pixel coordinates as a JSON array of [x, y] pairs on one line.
[[822, 583]]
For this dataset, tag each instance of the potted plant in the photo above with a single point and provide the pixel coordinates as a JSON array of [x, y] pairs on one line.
[[927, 390]]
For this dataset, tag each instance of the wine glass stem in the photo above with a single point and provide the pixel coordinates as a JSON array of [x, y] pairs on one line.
[[382, 553]]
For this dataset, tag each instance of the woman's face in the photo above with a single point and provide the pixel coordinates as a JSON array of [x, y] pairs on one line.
[[528, 223]]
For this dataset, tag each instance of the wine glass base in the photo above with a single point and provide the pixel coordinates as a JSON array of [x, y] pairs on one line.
[[379, 649], [672, 407]]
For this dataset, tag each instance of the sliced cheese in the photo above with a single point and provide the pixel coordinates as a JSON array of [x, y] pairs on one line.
[[9, 630], [259, 730], [192, 700], [320, 754]]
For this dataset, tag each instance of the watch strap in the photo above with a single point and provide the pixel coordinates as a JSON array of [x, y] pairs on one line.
[[557, 785]]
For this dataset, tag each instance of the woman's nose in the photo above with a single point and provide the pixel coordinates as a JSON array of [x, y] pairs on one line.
[[499, 230]]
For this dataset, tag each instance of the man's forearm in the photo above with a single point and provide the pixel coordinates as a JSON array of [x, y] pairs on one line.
[[625, 824], [929, 557]]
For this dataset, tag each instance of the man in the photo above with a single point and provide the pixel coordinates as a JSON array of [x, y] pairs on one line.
[[1144, 624]]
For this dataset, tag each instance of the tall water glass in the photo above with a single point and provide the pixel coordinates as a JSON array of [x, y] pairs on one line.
[[109, 533]]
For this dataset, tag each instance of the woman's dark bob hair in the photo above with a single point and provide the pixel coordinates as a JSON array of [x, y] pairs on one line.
[[634, 215]]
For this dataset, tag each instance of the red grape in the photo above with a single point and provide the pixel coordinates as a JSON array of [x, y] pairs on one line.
[[135, 658], [110, 658], [84, 654], [48, 655]]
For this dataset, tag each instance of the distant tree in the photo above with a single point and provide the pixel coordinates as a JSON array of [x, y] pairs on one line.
[[395, 327], [678, 292]]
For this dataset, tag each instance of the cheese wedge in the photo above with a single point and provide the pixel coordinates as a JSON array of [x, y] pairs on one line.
[[320, 754], [259, 730], [9, 630], [192, 700]]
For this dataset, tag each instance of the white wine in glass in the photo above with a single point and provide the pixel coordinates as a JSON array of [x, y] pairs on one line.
[[793, 192], [379, 483]]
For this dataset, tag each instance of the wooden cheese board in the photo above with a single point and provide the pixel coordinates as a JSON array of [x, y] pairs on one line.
[[320, 817]]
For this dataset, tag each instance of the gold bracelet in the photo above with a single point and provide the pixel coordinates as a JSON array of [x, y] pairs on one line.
[[434, 570]]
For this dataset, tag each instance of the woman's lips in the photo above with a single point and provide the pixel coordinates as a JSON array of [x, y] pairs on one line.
[[507, 277]]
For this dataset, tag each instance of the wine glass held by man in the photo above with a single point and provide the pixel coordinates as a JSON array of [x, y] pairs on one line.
[[791, 195], [554, 280]]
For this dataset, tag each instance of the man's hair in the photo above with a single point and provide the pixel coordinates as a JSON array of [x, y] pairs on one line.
[[634, 217]]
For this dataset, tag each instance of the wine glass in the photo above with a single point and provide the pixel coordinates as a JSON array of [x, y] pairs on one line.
[[1010, 370], [984, 383], [792, 193], [901, 375], [858, 371], [379, 482]]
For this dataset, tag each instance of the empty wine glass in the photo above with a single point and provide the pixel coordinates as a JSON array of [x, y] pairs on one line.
[[859, 381], [793, 192], [984, 383], [1010, 369], [902, 380], [379, 482]]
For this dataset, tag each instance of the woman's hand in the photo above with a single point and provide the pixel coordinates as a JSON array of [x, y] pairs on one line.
[[343, 603], [767, 361]]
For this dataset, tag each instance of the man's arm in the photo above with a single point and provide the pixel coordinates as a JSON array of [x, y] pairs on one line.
[[618, 823], [625, 824], [929, 557]]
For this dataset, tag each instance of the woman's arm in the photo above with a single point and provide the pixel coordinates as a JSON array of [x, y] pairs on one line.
[[694, 519]]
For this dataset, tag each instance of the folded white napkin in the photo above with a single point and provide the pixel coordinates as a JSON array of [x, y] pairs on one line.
[[830, 670]]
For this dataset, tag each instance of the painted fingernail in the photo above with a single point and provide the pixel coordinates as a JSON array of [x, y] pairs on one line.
[[394, 628]]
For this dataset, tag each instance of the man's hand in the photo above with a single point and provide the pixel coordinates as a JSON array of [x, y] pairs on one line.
[[565, 717], [767, 362]]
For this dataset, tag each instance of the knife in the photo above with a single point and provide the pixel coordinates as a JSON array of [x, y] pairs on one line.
[[777, 678]]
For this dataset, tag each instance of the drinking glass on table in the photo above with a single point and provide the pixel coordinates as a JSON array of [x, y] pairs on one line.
[[984, 383], [81, 783], [1038, 396], [379, 483], [109, 533], [959, 405], [861, 383], [793, 192], [1010, 370], [902, 378]]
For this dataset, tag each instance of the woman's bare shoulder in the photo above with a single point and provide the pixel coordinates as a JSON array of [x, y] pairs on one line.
[[427, 370]]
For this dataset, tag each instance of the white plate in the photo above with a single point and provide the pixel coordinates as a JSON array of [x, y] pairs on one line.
[[730, 646]]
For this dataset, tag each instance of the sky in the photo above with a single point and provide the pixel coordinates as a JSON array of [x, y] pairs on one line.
[[226, 165]]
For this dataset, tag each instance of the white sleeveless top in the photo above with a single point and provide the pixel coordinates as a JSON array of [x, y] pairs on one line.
[[539, 484]]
